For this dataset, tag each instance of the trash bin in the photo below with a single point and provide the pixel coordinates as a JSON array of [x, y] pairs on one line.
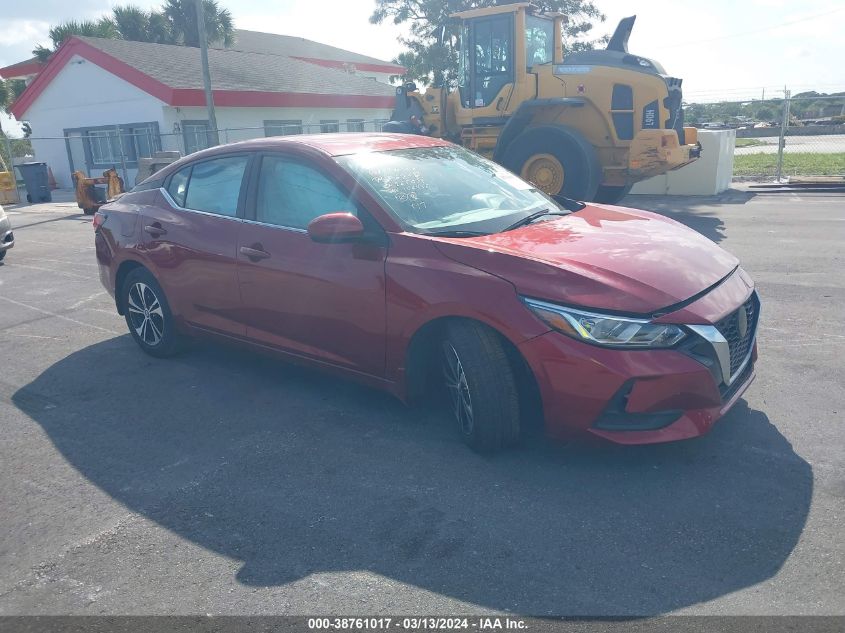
[[35, 178]]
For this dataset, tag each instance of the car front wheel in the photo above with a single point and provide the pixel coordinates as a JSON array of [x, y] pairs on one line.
[[148, 314], [481, 386]]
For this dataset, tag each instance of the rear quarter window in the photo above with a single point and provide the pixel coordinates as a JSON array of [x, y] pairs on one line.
[[178, 186]]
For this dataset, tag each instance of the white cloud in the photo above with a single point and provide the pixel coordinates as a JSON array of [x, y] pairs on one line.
[[18, 31]]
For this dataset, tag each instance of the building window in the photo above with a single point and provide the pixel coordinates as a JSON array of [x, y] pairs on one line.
[[101, 147], [354, 125], [327, 126], [144, 141], [282, 128], [196, 135], [105, 147]]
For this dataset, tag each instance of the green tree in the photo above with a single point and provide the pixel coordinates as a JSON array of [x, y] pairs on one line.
[[432, 47], [181, 16], [765, 114], [132, 23], [9, 91], [175, 23], [103, 27]]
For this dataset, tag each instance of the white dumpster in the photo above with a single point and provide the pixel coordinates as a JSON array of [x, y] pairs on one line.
[[710, 174]]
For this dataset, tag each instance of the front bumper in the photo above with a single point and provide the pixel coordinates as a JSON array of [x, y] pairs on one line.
[[628, 397], [649, 396], [655, 152]]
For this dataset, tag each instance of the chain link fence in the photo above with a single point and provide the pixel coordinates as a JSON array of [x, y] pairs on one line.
[[129, 148], [777, 139], [781, 139]]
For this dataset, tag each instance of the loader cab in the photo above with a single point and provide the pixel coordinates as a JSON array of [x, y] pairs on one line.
[[487, 59], [499, 46]]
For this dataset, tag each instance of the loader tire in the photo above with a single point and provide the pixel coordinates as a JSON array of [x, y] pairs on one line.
[[559, 163]]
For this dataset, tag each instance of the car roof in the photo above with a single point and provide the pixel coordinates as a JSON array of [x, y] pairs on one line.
[[328, 144], [337, 144]]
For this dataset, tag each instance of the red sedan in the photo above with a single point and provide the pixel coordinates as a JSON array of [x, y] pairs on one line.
[[411, 264]]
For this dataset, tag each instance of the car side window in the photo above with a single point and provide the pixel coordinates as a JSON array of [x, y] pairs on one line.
[[178, 186], [291, 194], [215, 185]]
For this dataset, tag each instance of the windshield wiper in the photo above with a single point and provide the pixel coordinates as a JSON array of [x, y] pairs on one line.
[[455, 233], [568, 203], [528, 219]]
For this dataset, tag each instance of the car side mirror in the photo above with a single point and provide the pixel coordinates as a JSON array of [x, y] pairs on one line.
[[335, 227]]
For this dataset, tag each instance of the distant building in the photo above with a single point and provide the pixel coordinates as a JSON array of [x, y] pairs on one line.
[[100, 103]]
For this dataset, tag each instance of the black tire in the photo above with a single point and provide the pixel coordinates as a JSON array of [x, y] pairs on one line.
[[488, 386], [612, 195], [2, 255], [89, 210], [582, 170], [148, 315]]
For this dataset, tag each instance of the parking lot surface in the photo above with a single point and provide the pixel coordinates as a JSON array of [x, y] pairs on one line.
[[228, 483]]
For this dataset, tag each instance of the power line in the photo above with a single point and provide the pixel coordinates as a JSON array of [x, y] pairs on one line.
[[753, 32]]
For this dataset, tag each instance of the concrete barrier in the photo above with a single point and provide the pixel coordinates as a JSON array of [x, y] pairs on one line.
[[710, 174]]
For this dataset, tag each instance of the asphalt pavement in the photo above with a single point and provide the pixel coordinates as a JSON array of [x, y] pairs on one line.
[[223, 482]]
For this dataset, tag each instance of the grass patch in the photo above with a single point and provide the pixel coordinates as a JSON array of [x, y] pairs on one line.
[[750, 142], [798, 164]]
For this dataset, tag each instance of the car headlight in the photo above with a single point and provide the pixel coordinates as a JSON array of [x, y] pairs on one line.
[[606, 329]]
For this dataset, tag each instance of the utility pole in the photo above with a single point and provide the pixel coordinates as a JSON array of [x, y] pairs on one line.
[[206, 74], [784, 124]]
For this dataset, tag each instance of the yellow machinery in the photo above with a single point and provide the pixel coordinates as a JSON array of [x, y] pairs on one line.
[[89, 197], [587, 126]]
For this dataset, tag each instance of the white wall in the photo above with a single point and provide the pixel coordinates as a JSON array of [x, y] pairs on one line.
[[82, 94], [712, 173], [247, 123]]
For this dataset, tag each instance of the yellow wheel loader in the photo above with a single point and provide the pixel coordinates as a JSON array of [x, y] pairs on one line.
[[587, 126]]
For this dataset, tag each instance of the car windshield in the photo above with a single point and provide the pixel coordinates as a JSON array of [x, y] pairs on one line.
[[437, 190]]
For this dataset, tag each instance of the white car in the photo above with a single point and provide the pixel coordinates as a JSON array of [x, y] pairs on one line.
[[7, 238]]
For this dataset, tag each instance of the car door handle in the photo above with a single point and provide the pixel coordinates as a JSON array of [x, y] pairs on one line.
[[254, 252], [155, 230]]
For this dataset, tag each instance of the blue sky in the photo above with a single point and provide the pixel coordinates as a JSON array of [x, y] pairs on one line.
[[723, 49]]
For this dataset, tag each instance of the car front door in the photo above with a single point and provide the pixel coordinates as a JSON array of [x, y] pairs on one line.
[[321, 301], [191, 240]]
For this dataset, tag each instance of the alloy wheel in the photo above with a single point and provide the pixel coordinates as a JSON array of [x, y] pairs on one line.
[[145, 313], [545, 171], [456, 384]]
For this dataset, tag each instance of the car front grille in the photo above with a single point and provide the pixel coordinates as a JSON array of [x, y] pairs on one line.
[[740, 339]]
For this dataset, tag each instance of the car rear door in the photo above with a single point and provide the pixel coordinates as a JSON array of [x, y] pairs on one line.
[[321, 301], [191, 240]]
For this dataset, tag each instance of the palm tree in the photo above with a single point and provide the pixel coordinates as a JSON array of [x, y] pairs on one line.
[[176, 23], [182, 17], [132, 23], [103, 27]]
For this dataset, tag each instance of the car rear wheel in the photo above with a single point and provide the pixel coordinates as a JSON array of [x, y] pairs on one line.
[[148, 314], [481, 386], [2, 255]]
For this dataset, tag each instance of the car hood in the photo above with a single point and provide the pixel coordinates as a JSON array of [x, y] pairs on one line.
[[602, 256]]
